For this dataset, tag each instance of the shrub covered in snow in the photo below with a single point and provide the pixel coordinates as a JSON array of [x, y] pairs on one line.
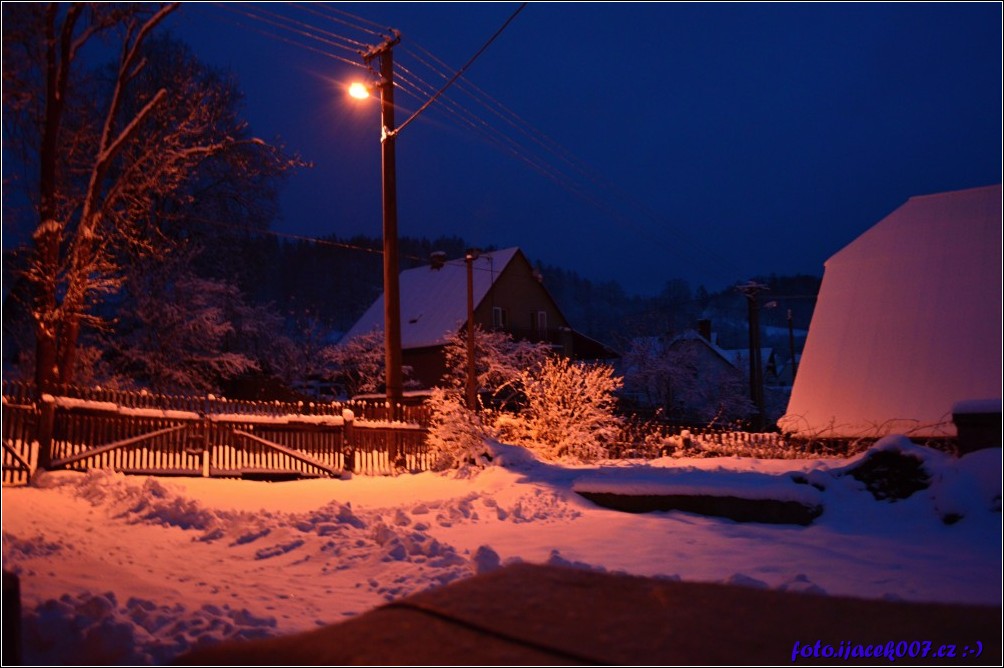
[[569, 411], [456, 433]]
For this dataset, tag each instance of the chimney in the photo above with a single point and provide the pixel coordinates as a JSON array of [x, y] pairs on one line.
[[704, 329]]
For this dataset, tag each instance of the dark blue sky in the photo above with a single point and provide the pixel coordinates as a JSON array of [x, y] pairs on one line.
[[714, 141]]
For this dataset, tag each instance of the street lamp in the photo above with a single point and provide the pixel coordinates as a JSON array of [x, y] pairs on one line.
[[392, 294], [358, 90]]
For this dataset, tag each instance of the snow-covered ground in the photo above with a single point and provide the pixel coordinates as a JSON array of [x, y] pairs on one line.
[[118, 569]]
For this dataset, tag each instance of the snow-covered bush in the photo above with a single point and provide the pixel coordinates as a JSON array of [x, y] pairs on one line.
[[456, 433], [499, 363], [569, 411]]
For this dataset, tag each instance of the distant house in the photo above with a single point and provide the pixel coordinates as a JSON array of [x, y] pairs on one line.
[[509, 295], [689, 377], [701, 348], [908, 323]]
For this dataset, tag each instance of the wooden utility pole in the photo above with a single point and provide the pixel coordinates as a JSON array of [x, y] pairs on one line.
[[392, 293], [751, 290], [791, 346], [472, 391]]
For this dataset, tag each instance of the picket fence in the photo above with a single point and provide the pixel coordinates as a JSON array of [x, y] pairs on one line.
[[144, 433]]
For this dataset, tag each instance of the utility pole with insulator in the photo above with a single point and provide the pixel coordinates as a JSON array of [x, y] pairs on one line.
[[791, 346], [472, 390], [392, 294], [751, 290]]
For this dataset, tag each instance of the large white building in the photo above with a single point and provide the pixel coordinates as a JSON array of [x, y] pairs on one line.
[[908, 323]]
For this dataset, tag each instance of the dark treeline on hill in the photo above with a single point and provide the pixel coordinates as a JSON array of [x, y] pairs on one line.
[[605, 311], [329, 281], [332, 281], [268, 306]]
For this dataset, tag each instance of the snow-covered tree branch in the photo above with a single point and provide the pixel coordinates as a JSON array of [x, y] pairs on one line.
[[117, 156]]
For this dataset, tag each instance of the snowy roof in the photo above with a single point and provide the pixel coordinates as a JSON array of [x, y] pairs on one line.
[[908, 322], [692, 335], [741, 356], [434, 301]]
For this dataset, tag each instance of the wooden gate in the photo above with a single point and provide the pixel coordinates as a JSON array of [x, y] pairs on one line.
[[262, 447], [142, 441], [139, 434]]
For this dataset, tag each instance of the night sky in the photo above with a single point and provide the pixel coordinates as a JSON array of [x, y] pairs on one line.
[[637, 142]]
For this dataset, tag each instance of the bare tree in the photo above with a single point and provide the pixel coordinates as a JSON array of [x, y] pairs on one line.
[[109, 153]]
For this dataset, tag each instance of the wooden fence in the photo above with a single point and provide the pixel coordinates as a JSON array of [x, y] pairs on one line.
[[19, 424], [136, 432]]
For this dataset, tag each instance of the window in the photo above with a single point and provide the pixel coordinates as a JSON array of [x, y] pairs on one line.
[[538, 323], [499, 319]]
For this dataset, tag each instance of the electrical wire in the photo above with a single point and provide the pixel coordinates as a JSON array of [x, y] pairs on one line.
[[580, 168], [463, 69], [360, 19], [473, 121], [559, 165], [310, 9], [288, 40], [312, 31], [323, 242]]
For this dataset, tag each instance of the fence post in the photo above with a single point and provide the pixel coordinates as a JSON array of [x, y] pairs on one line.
[[205, 445], [348, 440], [46, 424]]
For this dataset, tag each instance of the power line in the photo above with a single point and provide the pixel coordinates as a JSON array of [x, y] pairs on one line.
[[578, 167], [360, 19], [309, 30], [575, 177], [311, 10], [316, 240], [287, 235], [463, 69], [478, 124], [289, 40]]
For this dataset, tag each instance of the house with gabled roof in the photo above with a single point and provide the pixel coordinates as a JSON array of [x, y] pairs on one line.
[[907, 326], [689, 377], [508, 294]]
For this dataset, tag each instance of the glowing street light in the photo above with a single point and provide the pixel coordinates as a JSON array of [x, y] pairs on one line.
[[360, 91]]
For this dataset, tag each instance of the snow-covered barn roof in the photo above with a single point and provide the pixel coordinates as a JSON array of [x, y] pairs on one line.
[[908, 322], [434, 301]]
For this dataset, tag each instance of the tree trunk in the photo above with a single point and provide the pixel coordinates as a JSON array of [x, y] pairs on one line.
[[48, 236]]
